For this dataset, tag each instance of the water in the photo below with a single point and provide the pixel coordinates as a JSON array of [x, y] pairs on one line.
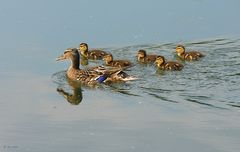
[[196, 109]]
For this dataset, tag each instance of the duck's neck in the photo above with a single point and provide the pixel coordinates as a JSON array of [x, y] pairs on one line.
[[160, 65], [75, 62], [141, 59], [181, 54]]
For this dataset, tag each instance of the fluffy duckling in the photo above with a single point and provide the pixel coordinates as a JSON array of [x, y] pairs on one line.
[[116, 63], [91, 54], [144, 58], [188, 56], [170, 65], [93, 75]]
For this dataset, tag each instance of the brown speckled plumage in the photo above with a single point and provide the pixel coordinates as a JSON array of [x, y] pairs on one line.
[[116, 63], [144, 58], [170, 65], [188, 56]]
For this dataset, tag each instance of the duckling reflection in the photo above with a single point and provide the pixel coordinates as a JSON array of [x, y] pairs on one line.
[[76, 97]]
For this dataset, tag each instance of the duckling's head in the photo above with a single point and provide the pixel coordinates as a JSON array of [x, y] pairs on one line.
[[108, 58], [83, 47], [180, 49], [160, 60], [141, 54], [71, 54]]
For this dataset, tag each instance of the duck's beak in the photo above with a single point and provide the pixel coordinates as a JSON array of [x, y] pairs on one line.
[[62, 57]]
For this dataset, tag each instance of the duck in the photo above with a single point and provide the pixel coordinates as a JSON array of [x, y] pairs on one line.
[[92, 75], [162, 64], [188, 56], [94, 54], [142, 57], [116, 63]]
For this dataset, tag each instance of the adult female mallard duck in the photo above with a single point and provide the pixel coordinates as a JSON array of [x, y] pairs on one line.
[[91, 54], [144, 58], [170, 65], [188, 56], [92, 75], [116, 63]]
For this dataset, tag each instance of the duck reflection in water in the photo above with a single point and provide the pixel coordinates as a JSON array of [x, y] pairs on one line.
[[73, 98]]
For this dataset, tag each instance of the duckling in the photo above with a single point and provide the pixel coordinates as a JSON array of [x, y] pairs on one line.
[[91, 54], [188, 56], [170, 65], [144, 58], [92, 75], [116, 63]]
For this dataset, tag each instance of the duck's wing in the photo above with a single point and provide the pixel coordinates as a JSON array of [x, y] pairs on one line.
[[105, 70], [101, 74], [96, 54], [121, 76], [172, 65]]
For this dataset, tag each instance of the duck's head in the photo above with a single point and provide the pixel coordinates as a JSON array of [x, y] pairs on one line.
[[71, 54], [108, 58], [160, 60], [83, 47], [141, 54], [180, 49]]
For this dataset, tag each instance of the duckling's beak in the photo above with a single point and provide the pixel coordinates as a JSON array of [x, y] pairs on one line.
[[62, 57]]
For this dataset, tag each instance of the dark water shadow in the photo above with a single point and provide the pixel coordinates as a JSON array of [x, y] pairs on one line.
[[160, 97], [205, 104], [208, 41], [233, 105], [121, 87]]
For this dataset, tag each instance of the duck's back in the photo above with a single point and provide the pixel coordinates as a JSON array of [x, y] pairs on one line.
[[193, 55], [150, 58], [172, 65], [120, 63], [96, 54]]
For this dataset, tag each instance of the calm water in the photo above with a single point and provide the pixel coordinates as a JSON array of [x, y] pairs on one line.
[[196, 109]]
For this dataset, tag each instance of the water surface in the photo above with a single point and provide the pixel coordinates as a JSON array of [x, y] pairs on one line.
[[196, 109]]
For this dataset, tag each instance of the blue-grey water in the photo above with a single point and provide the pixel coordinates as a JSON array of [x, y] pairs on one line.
[[196, 109]]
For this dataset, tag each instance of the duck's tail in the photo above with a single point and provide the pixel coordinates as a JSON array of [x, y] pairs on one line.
[[122, 76]]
